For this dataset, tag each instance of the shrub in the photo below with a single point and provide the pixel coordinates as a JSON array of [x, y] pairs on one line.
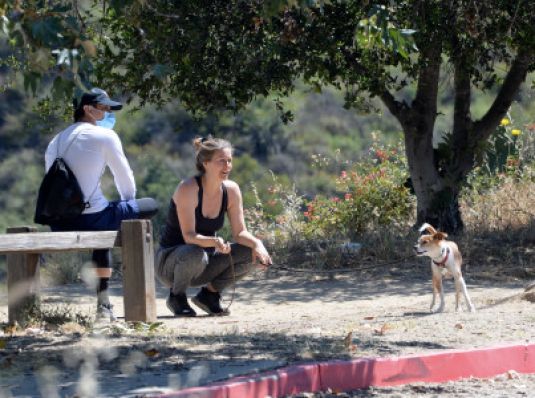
[[508, 155], [370, 194], [280, 218]]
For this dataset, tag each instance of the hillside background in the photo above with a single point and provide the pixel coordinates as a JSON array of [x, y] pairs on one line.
[[158, 143]]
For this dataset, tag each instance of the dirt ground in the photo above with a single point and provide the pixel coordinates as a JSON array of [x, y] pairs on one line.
[[276, 319], [507, 385]]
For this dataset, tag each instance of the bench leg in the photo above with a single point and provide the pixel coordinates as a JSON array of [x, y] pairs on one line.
[[139, 289], [22, 282]]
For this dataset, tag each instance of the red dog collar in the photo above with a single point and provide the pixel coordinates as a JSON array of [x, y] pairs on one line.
[[443, 262]]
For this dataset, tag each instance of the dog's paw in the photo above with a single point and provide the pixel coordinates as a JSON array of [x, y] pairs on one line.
[[472, 309]]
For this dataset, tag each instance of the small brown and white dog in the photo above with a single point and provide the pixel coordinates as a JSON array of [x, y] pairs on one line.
[[446, 260]]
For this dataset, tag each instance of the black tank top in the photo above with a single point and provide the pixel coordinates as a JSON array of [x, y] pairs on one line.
[[172, 233]]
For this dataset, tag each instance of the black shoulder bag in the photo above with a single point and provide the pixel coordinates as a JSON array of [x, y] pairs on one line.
[[60, 197]]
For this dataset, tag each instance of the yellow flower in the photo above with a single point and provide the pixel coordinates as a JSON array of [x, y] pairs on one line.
[[516, 132], [505, 122]]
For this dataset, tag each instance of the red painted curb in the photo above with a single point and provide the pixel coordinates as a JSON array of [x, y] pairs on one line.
[[281, 382], [362, 373], [276, 383], [437, 367]]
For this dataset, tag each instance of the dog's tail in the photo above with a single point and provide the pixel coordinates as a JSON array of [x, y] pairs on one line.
[[428, 228]]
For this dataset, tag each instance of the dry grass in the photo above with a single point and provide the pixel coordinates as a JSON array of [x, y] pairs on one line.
[[496, 243], [500, 230], [508, 206]]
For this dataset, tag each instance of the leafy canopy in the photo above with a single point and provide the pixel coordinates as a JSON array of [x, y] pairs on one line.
[[211, 55]]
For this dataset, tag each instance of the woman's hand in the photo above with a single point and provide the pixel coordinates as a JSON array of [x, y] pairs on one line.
[[221, 246], [261, 255]]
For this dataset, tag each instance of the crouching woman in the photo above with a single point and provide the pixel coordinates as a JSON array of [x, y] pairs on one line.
[[191, 253]]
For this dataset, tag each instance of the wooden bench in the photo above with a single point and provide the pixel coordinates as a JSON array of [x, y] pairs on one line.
[[23, 247]]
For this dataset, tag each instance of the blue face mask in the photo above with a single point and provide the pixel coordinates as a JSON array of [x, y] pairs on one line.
[[108, 121]]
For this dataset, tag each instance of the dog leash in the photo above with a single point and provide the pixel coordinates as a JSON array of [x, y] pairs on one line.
[[231, 261], [340, 270]]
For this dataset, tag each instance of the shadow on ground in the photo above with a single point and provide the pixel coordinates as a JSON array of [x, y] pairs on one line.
[[120, 366]]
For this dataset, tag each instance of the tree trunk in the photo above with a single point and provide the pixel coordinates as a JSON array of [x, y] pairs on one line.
[[437, 203]]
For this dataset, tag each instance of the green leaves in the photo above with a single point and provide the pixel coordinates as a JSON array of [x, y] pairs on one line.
[[379, 32], [223, 53], [49, 48]]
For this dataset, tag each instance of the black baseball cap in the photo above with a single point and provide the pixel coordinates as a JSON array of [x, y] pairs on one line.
[[97, 96]]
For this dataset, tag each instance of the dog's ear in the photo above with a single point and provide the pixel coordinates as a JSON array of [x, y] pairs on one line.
[[440, 236], [428, 228]]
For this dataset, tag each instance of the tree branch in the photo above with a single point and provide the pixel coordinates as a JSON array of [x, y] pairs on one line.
[[461, 107], [462, 155], [396, 108], [425, 100], [484, 127]]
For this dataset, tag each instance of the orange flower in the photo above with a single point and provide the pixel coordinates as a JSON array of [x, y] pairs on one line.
[[380, 154]]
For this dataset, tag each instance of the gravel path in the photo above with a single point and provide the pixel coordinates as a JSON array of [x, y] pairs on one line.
[[277, 321]]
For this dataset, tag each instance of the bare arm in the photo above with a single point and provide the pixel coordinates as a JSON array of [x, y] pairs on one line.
[[240, 234]]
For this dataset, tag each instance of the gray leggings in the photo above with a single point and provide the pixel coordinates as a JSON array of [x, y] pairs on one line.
[[190, 265]]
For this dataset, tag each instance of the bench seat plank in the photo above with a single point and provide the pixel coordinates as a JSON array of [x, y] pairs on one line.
[[39, 242]]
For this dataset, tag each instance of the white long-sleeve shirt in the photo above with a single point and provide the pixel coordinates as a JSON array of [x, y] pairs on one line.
[[93, 149]]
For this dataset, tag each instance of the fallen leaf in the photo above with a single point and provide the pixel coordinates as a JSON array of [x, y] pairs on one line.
[[348, 342], [3, 344], [369, 318], [382, 330], [153, 352], [348, 339], [512, 374], [459, 326]]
